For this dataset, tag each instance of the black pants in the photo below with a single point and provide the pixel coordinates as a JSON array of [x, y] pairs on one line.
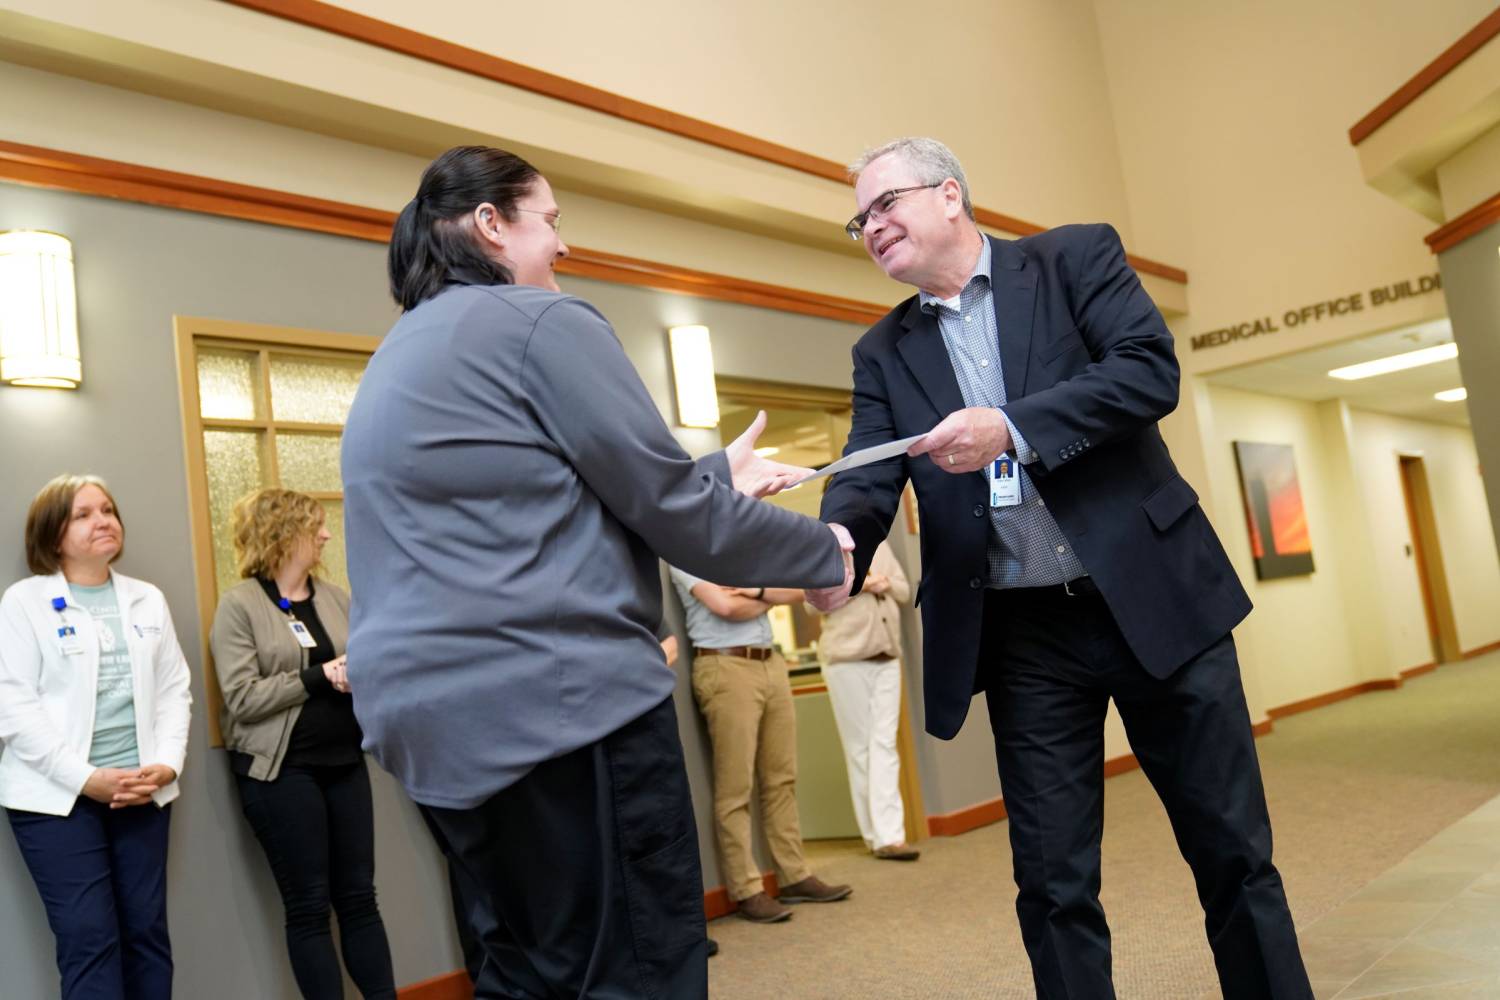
[[102, 876], [589, 868], [318, 830], [1052, 663]]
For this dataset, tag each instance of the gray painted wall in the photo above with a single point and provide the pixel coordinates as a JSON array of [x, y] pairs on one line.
[[138, 266], [1471, 284]]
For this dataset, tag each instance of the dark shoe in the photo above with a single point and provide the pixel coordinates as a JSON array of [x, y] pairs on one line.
[[897, 852], [814, 890], [713, 947], [762, 909]]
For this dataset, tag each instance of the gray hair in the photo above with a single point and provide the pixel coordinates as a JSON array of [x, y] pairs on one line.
[[932, 161]]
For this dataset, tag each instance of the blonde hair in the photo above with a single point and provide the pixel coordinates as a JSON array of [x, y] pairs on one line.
[[268, 524], [48, 518]]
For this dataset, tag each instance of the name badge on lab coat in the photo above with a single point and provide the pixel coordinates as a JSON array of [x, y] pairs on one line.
[[67, 638]]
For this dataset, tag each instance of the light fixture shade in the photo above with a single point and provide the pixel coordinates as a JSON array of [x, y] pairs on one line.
[[38, 311], [693, 374]]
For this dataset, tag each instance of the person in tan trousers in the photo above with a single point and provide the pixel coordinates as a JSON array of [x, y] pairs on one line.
[[741, 686]]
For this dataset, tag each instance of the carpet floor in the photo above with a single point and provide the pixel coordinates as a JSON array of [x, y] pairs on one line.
[[1353, 788]]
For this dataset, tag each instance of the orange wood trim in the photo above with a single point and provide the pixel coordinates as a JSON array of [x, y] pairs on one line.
[[58, 170], [1429, 75], [1417, 671], [50, 168], [1262, 728], [1330, 697], [716, 901], [810, 689], [448, 986], [1482, 650], [394, 38], [704, 284], [1120, 765], [966, 819], [1472, 222]]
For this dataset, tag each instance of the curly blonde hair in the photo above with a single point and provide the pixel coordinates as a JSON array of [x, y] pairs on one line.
[[268, 524]]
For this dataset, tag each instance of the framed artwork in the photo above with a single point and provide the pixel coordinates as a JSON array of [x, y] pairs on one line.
[[1274, 510]]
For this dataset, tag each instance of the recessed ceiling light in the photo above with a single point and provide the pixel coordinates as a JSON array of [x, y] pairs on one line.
[[1452, 395], [1396, 362]]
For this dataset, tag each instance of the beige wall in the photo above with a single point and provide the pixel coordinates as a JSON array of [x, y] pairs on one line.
[[1295, 640], [835, 77], [1233, 122], [1465, 534]]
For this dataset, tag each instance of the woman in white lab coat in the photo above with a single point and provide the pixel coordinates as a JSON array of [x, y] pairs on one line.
[[94, 710]]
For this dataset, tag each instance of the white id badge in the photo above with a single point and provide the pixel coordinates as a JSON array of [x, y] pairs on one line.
[[301, 634], [67, 638], [1005, 482]]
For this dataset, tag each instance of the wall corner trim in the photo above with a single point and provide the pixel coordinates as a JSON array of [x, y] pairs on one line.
[[1471, 223], [65, 171], [1426, 77], [428, 48]]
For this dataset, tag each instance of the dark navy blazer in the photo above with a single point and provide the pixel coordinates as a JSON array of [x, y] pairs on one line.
[[1089, 370]]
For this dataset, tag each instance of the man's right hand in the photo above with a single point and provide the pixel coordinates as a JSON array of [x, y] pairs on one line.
[[832, 598]]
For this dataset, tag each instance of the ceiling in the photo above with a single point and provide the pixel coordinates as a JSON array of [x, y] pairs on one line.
[[1402, 394]]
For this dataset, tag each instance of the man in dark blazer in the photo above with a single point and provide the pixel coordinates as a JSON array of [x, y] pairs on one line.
[[1081, 572]]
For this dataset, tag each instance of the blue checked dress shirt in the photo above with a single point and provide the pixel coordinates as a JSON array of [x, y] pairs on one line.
[[1026, 547]]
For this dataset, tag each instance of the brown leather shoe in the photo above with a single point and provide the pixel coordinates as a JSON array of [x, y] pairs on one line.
[[762, 909], [814, 890], [897, 852]]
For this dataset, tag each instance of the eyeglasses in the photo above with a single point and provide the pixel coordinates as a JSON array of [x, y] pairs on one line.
[[554, 219], [880, 208]]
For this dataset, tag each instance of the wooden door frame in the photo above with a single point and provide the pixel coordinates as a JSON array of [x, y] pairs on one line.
[[1432, 578], [188, 332]]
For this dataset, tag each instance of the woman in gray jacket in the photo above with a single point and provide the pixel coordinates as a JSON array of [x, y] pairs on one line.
[[294, 745], [509, 485]]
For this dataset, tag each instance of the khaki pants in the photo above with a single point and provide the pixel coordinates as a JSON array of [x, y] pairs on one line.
[[748, 705]]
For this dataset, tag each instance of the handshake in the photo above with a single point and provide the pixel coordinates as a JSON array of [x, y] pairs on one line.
[[757, 476]]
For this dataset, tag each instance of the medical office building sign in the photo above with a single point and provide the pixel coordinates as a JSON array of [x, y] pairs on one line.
[[1343, 305]]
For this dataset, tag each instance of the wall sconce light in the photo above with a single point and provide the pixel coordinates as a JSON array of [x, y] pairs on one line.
[[693, 373], [38, 311]]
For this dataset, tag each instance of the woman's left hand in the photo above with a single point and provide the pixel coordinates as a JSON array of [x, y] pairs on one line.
[[136, 789], [337, 672]]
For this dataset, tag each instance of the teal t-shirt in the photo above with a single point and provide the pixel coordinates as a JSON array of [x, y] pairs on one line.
[[114, 700]]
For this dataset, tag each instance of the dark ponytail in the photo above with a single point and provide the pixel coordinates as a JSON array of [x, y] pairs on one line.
[[432, 244]]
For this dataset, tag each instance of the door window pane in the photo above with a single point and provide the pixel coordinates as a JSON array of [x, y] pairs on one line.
[[335, 565], [313, 390], [309, 462], [234, 469], [227, 384]]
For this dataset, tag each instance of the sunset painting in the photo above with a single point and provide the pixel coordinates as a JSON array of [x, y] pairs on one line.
[[1274, 511]]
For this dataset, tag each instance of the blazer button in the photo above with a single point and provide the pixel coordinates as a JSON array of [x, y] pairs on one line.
[[975, 583], [979, 510]]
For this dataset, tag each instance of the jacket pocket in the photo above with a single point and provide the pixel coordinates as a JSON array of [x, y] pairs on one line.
[[1070, 341], [1169, 502]]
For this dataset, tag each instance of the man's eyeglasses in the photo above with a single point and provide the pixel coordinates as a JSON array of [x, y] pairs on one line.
[[554, 219], [880, 208]]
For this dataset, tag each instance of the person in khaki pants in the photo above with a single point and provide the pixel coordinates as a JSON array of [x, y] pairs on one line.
[[741, 686]]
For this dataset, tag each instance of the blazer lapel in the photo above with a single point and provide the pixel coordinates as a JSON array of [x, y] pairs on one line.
[[1013, 286], [926, 355]]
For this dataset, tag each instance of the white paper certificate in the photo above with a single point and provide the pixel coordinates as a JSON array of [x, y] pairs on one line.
[[864, 457]]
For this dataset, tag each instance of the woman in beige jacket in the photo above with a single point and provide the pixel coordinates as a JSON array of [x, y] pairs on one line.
[[294, 745]]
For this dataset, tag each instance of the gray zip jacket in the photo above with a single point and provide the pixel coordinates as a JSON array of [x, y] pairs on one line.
[[508, 488]]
